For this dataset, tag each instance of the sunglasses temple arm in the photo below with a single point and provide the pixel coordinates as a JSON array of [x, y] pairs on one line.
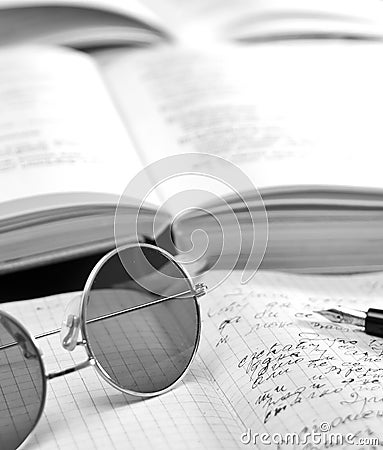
[[199, 290], [38, 336]]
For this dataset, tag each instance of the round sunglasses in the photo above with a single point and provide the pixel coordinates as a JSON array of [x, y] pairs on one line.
[[138, 319]]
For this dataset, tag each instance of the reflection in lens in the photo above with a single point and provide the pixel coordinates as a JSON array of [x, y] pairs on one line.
[[146, 350], [22, 384]]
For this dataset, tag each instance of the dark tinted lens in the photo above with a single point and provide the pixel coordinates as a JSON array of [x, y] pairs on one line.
[[148, 349], [22, 384]]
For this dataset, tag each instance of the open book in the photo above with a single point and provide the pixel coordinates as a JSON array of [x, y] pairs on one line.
[[91, 24], [302, 120], [267, 365]]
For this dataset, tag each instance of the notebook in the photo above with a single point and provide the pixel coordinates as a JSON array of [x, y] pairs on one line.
[[268, 369]]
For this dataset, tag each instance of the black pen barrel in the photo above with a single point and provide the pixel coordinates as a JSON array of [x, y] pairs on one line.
[[374, 322]]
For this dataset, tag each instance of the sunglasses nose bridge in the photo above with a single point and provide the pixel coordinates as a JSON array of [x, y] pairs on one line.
[[83, 365]]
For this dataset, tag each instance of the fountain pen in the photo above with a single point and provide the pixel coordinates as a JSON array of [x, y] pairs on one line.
[[371, 320]]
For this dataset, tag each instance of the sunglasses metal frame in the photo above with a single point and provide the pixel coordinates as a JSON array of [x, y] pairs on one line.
[[196, 291], [43, 372], [83, 323]]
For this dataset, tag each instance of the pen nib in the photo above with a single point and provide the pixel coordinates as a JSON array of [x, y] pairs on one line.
[[352, 317], [334, 315]]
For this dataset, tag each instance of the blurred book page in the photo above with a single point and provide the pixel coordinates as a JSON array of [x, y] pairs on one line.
[[277, 19], [288, 115], [204, 21], [130, 8], [79, 24], [59, 130]]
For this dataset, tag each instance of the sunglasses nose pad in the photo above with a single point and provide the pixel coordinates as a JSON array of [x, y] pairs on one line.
[[70, 327]]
